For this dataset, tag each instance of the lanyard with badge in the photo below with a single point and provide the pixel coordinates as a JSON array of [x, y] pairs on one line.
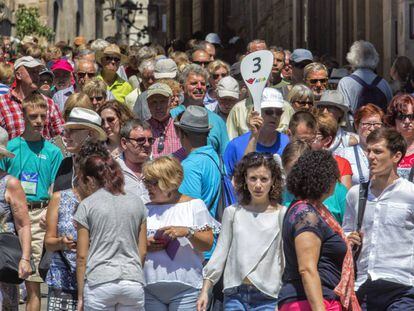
[[29, 180]]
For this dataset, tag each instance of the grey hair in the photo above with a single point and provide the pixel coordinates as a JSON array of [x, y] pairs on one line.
[[363, 54], [85, 52], [255, 41], [146, 52], [146, 64], [131, 125], [313, 67], [192, 68], [78, 61], [99, 45], [298, 92]]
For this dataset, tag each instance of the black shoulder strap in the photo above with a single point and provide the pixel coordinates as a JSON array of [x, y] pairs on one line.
[[362, 202], [376, 81], [411, 176], [65, 261], [359, 80]]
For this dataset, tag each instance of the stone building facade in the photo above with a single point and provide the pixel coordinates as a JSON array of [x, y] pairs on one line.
[[327, 27], [90, 18]]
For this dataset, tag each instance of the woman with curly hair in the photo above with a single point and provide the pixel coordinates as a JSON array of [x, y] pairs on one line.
[[400, 115], [319, 273], [249, 248], [114, 115]]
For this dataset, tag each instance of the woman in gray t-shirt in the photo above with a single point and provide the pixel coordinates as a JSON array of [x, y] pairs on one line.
[[111, 229]]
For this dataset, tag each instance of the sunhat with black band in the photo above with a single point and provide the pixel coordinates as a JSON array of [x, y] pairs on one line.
[[4, 138], [82, 118], [194, 119]]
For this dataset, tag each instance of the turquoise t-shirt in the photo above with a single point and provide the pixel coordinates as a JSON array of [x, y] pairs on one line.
[[336, 203], [217, 137], [202, 180], [35, 164]]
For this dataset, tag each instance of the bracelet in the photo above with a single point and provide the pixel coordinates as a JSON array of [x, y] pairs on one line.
[[28, 260]]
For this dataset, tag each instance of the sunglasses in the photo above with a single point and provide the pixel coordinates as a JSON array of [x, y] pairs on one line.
[[83, 74], [109, 120], [201, 63], [142, 140], [271, 112], [315, 81], [402, 116], [262, 155], [97, 98], [331, 109], [112, 58], [218, 75], [304, 103]]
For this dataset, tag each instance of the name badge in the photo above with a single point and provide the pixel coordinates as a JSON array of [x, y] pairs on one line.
[[29, 182]]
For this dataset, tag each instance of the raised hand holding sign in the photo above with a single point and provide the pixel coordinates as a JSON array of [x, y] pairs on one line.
[[255, 69]]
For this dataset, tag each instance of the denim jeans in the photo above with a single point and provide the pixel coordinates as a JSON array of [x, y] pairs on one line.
[[248, 298]]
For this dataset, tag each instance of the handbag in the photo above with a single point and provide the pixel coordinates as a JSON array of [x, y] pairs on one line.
[[58, 300], [10, 255], [45, 261]]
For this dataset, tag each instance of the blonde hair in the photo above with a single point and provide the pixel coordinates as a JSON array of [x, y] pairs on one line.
[[34, 100], [215, 65], [95, 86], [52, 53], [167, 171], [6, 73], [180, 58], [76, 100], [173, 84]]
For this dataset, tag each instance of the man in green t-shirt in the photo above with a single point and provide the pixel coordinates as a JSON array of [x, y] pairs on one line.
[[35, 164]]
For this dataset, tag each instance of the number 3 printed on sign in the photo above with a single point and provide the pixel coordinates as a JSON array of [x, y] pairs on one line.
[[257, 64]]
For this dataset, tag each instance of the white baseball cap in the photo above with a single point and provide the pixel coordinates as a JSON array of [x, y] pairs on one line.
[[272, 98], [213, 38], [165, 68], [27, 61], [228, 87]]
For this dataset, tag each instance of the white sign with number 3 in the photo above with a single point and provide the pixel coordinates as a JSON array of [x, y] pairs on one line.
[[255, 69]]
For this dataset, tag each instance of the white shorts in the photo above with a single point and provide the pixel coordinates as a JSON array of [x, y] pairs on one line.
[[119, 295]]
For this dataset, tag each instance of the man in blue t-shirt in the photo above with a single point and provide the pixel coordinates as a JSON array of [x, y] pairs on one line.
[[193, 80], [263, 136]]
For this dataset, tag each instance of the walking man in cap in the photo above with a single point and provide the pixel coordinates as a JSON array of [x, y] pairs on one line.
[[110, 59], [193, 80], [62, 81], [161, 122], [299, 59], [35, 165], [11, 114]]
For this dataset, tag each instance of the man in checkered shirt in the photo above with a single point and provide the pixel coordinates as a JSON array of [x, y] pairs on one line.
[[11, 116]]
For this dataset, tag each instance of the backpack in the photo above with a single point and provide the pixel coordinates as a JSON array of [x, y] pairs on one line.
[[370, 93], [226, 191]]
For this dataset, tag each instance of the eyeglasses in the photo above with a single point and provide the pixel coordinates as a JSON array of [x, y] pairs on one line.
[[315, 81], [218, 75], [304, 103], [149, 182], [142, 140], [402, 116], [97, 98], [112, 58], [331, 109], [203, 64], [271, 112], [369, 124], [161, 140], [83, 74]]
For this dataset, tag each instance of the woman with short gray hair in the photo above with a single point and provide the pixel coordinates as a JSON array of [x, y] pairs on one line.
[[301, 97]]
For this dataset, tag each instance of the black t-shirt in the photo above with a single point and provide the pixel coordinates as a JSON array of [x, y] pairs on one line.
[[63, 180], [301, 218]]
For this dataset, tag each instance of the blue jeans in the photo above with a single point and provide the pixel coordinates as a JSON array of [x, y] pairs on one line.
[[248, 298]]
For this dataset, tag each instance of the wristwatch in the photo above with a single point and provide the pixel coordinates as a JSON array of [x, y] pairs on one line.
[[190, 233]]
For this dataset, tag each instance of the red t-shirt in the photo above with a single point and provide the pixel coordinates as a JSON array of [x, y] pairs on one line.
[[344, 166]]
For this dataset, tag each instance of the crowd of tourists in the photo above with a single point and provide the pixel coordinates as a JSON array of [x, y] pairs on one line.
[[141, 177]]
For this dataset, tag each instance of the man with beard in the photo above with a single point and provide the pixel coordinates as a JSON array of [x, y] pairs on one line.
[[193, 80], [316, 77]]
